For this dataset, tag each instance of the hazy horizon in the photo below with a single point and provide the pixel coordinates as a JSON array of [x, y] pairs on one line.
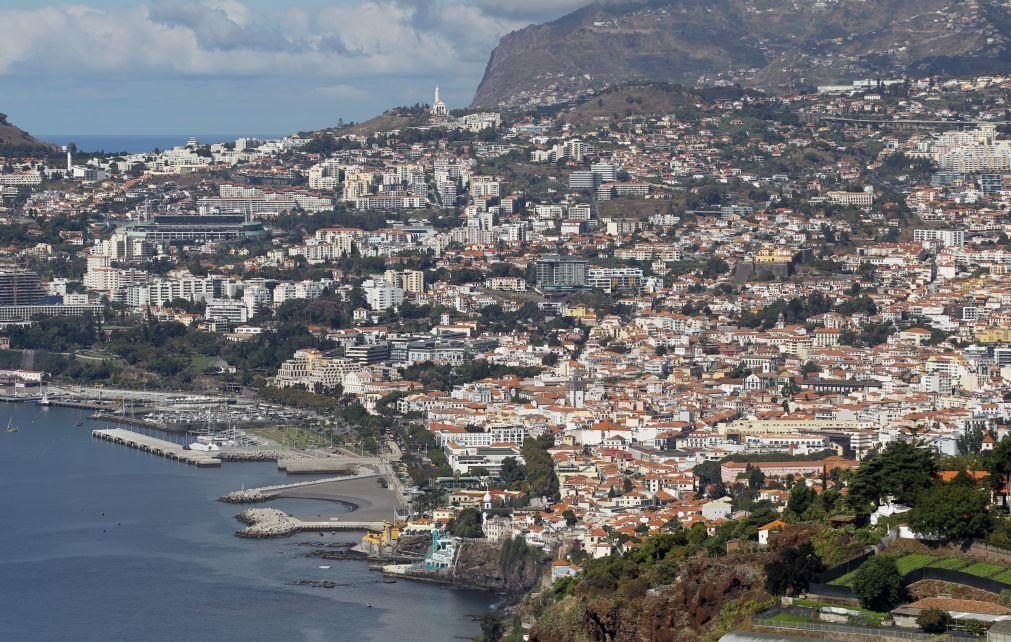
[[144, 68]]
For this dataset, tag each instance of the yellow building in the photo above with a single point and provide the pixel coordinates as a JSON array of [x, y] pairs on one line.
[[993, 335], [384, 541], [774, 255], [579, 312]]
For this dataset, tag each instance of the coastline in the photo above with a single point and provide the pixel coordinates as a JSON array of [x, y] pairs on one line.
[[370, 502], [109, 533]]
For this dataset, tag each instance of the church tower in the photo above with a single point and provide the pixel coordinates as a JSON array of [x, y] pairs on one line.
[[438, 107]]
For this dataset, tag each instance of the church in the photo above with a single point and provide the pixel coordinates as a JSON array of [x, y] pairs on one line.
[[439, 109]]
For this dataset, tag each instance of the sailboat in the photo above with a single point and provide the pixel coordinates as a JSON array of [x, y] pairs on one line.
[[10, 426]]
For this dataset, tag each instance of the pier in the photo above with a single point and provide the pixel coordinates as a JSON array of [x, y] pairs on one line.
[[157, 446]]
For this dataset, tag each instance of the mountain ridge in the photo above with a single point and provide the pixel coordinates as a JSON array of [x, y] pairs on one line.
[[768, 44], [13, 139]]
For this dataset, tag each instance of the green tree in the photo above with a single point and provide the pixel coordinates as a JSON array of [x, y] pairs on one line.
[[467, 524], [756, 478], [512, 471], [933, 620], [877, 584], [708, 473], [902, 470], [1000, 469], [540, 473], [801, 498], [570, 517], [810, 367], [793, 570], [952, 511]]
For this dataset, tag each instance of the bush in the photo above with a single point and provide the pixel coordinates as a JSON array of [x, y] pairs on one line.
[[974, 627], [467, 524], [793, 571], [953, 512], [933, 620], [878, 584]]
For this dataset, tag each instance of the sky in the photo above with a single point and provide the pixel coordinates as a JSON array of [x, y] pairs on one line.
[[242, 66]]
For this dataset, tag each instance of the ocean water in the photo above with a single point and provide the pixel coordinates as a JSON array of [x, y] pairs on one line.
[[139, 143], [103, 542]]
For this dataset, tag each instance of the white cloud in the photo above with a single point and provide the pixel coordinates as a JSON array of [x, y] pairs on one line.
[[343, 92], [530, 10], [361, 38]]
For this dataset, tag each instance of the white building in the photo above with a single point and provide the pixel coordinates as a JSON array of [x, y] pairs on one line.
[[380, 295], [230, 310]]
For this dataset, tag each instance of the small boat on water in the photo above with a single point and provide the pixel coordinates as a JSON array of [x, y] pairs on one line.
[[44, 401], [325, 568], [10, 425]]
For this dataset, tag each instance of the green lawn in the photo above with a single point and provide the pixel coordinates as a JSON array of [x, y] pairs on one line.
[[982, 569], [790, 618], [200, 362], [913, 561], [950, 563], [291, 437]]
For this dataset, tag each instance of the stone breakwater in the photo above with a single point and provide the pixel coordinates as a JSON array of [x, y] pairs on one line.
[[252, 496], [270, 522], [267, 522], [262, 494]]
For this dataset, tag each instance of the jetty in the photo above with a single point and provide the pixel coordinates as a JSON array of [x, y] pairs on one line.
[[334, 464], [157, 446], [270, 522], [263, 493]]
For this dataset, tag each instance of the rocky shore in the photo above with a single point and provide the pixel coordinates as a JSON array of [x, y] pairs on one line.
[[348, 554]]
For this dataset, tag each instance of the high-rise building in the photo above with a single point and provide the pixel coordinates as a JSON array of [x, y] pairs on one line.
[[381, 295], [20, 287], [583, 179], [608, 172], [561, 272], [947, 238], [412, 281]]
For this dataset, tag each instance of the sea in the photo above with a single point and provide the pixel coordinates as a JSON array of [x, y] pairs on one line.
[[140, 143], [102, 542]]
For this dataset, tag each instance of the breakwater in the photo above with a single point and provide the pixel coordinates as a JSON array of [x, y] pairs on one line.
[[262, 523], [262, 494]]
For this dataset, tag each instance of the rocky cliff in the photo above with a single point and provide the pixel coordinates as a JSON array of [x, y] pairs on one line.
[[759, 43], [508, 567], [710, 597]]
